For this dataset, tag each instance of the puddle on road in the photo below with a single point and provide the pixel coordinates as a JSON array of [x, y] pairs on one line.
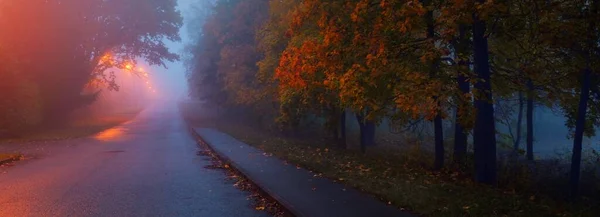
[[111, 134]]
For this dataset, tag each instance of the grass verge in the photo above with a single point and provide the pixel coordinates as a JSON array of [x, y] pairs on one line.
[[399, 178], [8, 158], [75, 129]]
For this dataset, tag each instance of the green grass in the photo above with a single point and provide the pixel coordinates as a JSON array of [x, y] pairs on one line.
[[75, 129], [400, 179]]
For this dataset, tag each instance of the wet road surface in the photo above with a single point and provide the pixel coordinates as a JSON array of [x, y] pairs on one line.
[[146, 167]]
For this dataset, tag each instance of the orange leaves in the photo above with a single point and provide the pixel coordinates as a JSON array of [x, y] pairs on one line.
[[298, 65], [429, 56], [288, 72], [359, 10], [383, 4], [488, 8], [364, 53], [414, 7]]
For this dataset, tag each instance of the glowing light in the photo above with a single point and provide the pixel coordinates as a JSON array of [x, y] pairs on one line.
[[110, 134], [141, 69], [129, 66], [107, 58]]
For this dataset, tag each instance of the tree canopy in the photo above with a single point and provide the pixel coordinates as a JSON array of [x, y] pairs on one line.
[[409, 61]]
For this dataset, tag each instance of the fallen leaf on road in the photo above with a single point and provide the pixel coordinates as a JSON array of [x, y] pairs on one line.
[[260, 208]]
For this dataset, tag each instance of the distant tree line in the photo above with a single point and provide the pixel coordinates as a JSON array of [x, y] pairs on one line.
[[52, 50], [406, 60]]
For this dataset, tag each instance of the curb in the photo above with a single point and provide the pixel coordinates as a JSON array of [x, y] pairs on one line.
[[289, 207]]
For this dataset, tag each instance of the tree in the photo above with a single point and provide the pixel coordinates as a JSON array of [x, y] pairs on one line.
[[272, 40], [308, 64], [530, 96], [433, 71], [204, 53], [462, 123], [590, 50], [523, 63], [484, 133], [239, 55], [91, 32]]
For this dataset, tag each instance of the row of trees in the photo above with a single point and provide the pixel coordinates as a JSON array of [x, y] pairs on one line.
[[51, 50], [406, 60]]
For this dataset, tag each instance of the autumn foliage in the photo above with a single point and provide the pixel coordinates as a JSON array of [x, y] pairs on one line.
[[410, 60]]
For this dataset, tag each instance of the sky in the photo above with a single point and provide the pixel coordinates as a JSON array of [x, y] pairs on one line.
[[171, 81]]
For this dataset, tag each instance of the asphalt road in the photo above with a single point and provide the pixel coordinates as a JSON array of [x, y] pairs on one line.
[[146, 167]]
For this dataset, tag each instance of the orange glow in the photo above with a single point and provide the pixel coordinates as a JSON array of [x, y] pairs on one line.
[[110, 134], [129, 66], [107, 58]]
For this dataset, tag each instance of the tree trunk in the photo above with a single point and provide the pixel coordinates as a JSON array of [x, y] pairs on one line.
[[367, 132], [362, 128], [370, 133], [437, 121], [334, 124], [342, 127], [578, 137], [529, 119], [460, 143], [439, 143], [484, 133], [519, 121], [460, 136], [583, 101]]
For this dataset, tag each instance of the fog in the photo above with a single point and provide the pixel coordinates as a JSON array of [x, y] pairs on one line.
[[416, 104], [154, 75], [168, 82], [171, 81], [63, 60]]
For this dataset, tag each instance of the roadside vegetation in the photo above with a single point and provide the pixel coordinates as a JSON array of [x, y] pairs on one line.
[[7, 158], [403, 177], [81, 127], [472, 74]]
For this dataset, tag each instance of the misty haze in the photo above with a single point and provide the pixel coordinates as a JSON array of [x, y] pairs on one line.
[[362, 108]]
